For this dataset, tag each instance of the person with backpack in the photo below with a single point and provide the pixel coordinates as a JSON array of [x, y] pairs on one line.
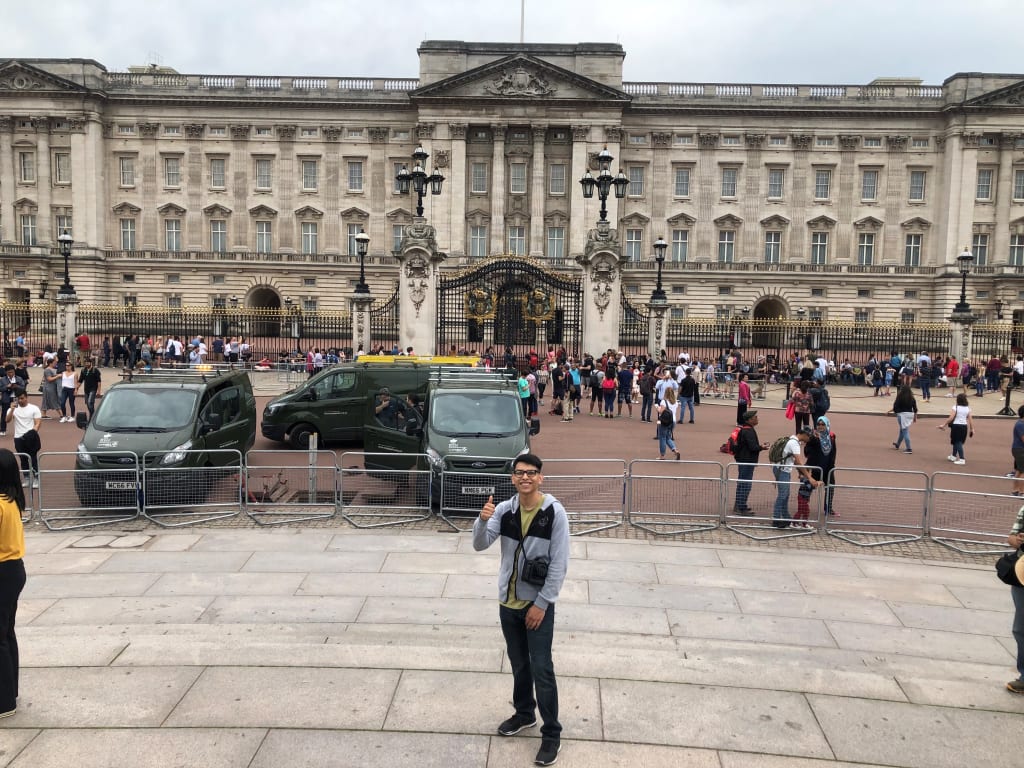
[[746, 449], [688, 392], [924, 379], [667, 418], [820, 402], [785, 454]]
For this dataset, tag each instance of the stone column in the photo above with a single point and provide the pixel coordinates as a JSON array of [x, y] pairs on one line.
[[657, 328], [44, 220], [359, 305], [1003, 193], [498, 191], [455, 187], [7, 226], [961, 324], [602, 289], [67, 319], [577, 234], [418, 260], [537, 246]]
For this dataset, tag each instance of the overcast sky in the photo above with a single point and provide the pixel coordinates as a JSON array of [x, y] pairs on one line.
[[741, 41]]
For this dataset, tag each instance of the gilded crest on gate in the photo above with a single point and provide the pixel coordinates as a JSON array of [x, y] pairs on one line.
[[480, 304], [538, 306]]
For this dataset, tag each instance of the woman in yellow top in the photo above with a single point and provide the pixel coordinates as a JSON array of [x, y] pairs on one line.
[[12, 576]]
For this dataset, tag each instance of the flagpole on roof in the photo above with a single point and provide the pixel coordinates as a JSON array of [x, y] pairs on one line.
[[522, 21]]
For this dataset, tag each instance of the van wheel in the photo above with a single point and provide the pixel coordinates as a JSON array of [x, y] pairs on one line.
[[298, 438]]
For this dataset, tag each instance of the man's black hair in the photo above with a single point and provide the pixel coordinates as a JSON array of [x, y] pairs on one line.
[[533, 460]]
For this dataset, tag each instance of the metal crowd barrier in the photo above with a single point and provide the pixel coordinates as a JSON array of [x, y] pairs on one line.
[[379, 497], [975, 517], [106, 492], [880, 506], [29, 483], [761, 525], [593, 492], [290, 487], [465, 490], [667, 498], [176, 496]]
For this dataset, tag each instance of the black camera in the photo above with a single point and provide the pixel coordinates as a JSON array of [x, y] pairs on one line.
[[535, 572]]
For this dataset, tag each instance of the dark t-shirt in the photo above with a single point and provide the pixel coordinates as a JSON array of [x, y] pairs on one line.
[[625, 377], [748, 447], [90, 378], [1018, 436]]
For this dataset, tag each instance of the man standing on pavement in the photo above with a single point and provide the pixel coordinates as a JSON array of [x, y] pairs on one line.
[[625, 377], [688, 388], [1017, 450], [747, 452], [1016, 540], [27, 418], [9, 385], [89, 381], [792, 455], [534, 531]]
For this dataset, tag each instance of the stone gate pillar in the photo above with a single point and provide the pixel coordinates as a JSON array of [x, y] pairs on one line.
[[961, 324], [359, 306], [657, 327], [67, 319], [419, 262], [602, 289]]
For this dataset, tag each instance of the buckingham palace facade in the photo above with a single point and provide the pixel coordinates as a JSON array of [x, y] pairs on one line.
[[847, 202]]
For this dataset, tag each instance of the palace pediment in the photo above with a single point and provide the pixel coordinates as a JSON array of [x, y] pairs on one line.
[[1007, 96], [18, 77], [519, 77], [682, 218]]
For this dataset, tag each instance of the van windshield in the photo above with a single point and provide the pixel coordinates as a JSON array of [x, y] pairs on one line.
[[128, 409], [468, 415]]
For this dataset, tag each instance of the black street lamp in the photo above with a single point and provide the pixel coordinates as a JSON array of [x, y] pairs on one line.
[[65, 241], [660, 246], [234, 302], [604, 182], [419, 179], [362, 245], [963, 263]]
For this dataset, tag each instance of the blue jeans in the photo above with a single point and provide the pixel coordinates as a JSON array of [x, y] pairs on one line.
[[90, 401], [529, 655], [746, 473], [903, 437], [926, 387], [645, 407], [687, 402], [665, 439], [1018, 626], [67, 394], [782, 481]]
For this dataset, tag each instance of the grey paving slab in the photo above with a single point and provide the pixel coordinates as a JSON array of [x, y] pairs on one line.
[[68, 561], [13, 741], [901, 667], [439, 635], [276, 610], [374, 584], [29, 608], [408, 610], [994, 598], [89, 611], [652, 595], [141, 748], [623, 571], [80, 650], [130, 541], [87, 585], [316, 562], [916, 736], [173, 542], [878, 589], [94, 540], [577, 547], [475, 702], [227, 584], [307, 697], [930, 643], [729, 578], [963, 694], [789, 561], [749, 627], [588, 754], [458, 585], [48, 542], [241, 540], [171, 562], [99, 697], [356, 541], [1009, 644], [608, 618], [421, 562], [716, 718], [343, 749], [747, 760], [951, 619], [896, 570], [816, 607], [647, 552]]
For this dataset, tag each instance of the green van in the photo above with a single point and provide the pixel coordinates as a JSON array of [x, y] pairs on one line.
[[175, 415]]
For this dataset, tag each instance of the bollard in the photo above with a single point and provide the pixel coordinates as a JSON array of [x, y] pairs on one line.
[[1007, 410]]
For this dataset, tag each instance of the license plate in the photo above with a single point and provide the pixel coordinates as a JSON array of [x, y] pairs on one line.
[[120, 486], [478, 490]]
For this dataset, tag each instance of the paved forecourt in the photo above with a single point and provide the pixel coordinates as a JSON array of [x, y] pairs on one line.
[[334, 647]]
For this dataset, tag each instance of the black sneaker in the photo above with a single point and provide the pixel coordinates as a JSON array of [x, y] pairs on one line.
[[1015, 686], [548, 752], [516, 723]]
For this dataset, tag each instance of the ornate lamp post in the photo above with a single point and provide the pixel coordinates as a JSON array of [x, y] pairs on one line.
[[65, 241], [660, 246], [604, 182], [362, 246], [419, 179], [963, 263]]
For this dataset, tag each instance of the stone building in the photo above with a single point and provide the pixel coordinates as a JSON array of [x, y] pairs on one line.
[[847, 202]]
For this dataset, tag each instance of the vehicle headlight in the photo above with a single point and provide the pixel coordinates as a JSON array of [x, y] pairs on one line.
[[177, 455], [84, 457], [525, 450], [436, 462], [273, 408]]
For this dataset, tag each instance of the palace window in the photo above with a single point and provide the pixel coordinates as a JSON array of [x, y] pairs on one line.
[[556, 243], [912, 251], [917, 186], [682, 182], [517, 179], [28, 229], [634, 244], [309, 176], [127, 234], [729, 176], [726, 245], [172, 171], [355, 176], [62, 222], [264, 237], [1018, 185], [984, 186], [635, 174], [172, 234], [1017, 250], [27, 167], [218, 235], [776, 183], [556, 179], [517, 241], [397, 233], [61, 168], [217, 172], [478, 184], [866, 248], [680, 244], [126, 166], [819, 247], [772, 247], [979, 247], [869, 185], [822, 184], [264, 169], [478, 242], [352, 230], [310, 237]]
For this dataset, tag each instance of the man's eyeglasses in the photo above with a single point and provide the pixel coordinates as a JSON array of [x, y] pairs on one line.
[[525, 472]]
